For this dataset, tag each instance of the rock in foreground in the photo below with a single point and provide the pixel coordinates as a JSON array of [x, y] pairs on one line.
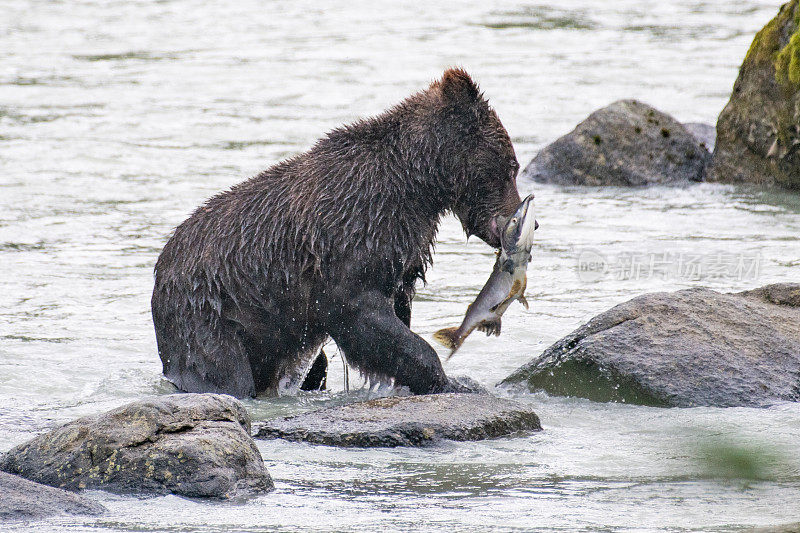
[[626, 143], [25, 500], [189, 444], [758, 132], [406, 421], [688, 348]]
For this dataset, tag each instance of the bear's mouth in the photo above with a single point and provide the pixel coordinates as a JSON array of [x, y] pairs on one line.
[[491, 235], [488, 229], [494, 228]]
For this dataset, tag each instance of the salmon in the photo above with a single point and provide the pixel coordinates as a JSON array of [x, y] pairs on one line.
[[506, 284]]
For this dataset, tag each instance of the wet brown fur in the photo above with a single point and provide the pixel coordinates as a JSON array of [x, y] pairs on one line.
[[330, 243]]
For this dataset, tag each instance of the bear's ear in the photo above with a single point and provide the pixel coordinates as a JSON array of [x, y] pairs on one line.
[[456, 85]]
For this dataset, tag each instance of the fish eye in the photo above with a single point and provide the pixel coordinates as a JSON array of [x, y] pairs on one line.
[[514, 220]]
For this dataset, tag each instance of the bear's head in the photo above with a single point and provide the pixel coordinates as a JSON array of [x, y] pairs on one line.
[[485, 169]]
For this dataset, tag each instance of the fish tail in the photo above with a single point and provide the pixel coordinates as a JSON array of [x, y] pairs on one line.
[[448, 337]]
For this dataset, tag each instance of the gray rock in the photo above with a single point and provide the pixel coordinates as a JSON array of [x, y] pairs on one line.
[[758, 132], [706, 134], [626, 143], [406, 421], [189, 444], [686, 348], [25, 500]]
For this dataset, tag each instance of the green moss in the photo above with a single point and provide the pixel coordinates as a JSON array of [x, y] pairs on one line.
[[766, 46], [787, 59], [787, 62], [765, 42]]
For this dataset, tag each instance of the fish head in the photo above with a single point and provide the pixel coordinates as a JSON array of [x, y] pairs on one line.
[[517, 234]]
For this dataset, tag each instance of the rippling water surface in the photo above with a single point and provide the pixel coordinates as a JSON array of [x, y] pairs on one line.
[[118, 118]]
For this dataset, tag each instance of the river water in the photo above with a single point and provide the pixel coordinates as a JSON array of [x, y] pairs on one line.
[[118, 118]]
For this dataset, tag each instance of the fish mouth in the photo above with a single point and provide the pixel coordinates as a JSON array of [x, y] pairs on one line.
[[524, 206], [529, 222], [521, 237], [492, 233]]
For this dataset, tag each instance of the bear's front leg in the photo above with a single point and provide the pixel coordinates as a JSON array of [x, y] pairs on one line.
[[374, 339]]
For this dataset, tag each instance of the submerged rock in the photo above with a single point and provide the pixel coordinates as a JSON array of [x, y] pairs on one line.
[[687, 348], [25, 500], [625, 143], [189, 444], [758, 132], [785, 528], [406, 421]]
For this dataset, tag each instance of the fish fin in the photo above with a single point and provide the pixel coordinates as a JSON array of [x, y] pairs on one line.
[[522, 299], [491, 327], [448, 337]]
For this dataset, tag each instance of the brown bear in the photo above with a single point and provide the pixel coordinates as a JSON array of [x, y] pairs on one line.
[[330, 243]]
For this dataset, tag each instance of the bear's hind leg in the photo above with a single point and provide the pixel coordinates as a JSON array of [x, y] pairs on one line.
[[199, 357], [280, 359]]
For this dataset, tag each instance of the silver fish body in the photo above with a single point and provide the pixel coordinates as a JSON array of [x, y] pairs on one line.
[[506, 284]]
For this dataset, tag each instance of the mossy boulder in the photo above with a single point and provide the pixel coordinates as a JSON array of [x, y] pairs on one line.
[[688, 348], [758, 132], [24, 500], [406, 421], [627, 143], [195, 445]]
